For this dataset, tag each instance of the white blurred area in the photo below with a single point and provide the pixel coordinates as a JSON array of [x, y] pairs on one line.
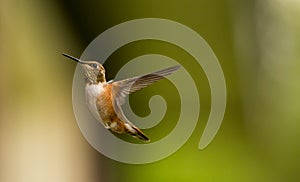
[[39, 137]]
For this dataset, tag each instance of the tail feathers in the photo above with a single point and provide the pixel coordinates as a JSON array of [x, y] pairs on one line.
[[136, 133]]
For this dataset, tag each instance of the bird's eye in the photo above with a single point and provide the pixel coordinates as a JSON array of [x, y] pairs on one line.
[[94, 65]]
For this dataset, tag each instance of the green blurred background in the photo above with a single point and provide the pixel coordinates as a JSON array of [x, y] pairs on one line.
[[256, 42]]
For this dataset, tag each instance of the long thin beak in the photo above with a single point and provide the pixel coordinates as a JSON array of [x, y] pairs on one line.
[[73, 58]]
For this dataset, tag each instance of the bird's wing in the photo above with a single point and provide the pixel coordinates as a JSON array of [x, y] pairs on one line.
[[125, 87]]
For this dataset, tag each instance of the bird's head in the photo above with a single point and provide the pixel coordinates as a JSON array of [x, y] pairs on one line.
[[93, 71]]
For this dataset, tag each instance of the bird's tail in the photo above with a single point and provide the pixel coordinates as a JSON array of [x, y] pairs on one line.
[[136, 132]]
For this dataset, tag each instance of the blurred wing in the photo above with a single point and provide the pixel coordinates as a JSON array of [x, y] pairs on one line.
[[125, 87]]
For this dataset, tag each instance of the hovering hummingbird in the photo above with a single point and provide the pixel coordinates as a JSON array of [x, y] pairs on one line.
[[104, 99]]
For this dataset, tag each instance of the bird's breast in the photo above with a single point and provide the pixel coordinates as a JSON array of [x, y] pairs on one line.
[[92, 93], [99, 102]]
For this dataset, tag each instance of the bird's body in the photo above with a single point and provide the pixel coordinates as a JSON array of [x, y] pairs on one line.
[[104, 99], [92, 92], [100, 102]]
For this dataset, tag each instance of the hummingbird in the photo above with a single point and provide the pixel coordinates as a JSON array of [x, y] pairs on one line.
[[104, 99]]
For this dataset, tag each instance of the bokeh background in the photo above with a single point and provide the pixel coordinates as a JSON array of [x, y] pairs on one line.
[[257, 44]]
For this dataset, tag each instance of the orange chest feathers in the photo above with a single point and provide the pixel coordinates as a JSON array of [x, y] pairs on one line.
[[105, 103]]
